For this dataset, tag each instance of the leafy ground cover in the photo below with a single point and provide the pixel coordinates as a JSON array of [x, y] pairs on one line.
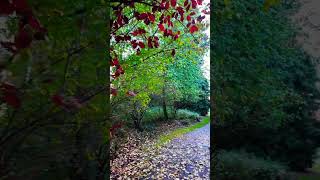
[[184, 157]]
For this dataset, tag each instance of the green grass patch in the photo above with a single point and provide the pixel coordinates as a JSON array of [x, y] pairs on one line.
[[178, 132]]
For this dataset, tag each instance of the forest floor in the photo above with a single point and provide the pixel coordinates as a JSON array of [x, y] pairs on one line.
[[184, 157]]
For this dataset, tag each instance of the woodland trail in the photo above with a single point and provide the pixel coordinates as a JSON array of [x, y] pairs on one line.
[[185, 157]]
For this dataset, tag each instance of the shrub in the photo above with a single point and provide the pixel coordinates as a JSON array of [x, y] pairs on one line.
[[156, 114], [240, 165], [186, 114]]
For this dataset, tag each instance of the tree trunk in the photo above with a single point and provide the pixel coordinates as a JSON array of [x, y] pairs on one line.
[[164, 105]]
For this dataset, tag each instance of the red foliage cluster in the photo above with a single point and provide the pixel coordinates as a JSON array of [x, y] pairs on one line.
[[114, 127], [119, 69], [10, 95], [164, 22], [67, 103], [29, 26]]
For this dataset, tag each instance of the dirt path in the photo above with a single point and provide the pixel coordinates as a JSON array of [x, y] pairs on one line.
[[186, 157]]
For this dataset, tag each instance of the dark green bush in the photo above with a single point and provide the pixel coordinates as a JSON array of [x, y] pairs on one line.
[[235, 165], [263, 85], [202, 105]]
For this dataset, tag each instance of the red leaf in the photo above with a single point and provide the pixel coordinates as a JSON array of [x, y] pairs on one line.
[[115, 62], [57, 100], [176, 37], [188, 7], [21, 7], [194, 4], [10, 95], [23, 39], [205, 11], [141, 44], [113, 91], [199, 2], [134, 44], [6, 7], [167, 5], [150, 42], [173, 3], [173, 52], [143, 16], [189, 18], [12, 100], [161, 27], [193, 29], [185, 3], [127, 37], [151, 17]]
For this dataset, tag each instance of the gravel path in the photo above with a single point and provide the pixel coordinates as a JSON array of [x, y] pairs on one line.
[[186, 157]]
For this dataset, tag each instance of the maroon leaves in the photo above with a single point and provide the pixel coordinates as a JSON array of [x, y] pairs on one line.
[[119, 69], [173, 3], [57, 100], [193, 29], [25, 35], [139, 31], [136, 43], [21, 6], [151, 17], [167, 5], [194, 4], [161, 27], [141, 44], [122, 38], [114, 62], [6, 7], [23, 39], [66, 102], [113, 91], [185, 3], [199, 2], [189, 18], [153, 42], [205, 12], [150, 45], [10, 95]]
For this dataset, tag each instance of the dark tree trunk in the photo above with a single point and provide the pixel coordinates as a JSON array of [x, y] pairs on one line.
[[164, 105]]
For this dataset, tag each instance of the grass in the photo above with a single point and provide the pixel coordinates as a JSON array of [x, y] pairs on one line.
[[178, 132]]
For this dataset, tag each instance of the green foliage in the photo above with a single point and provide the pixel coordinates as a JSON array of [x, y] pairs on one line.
[[186, 114], [201, 104], [264, 86], [240, 165]]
